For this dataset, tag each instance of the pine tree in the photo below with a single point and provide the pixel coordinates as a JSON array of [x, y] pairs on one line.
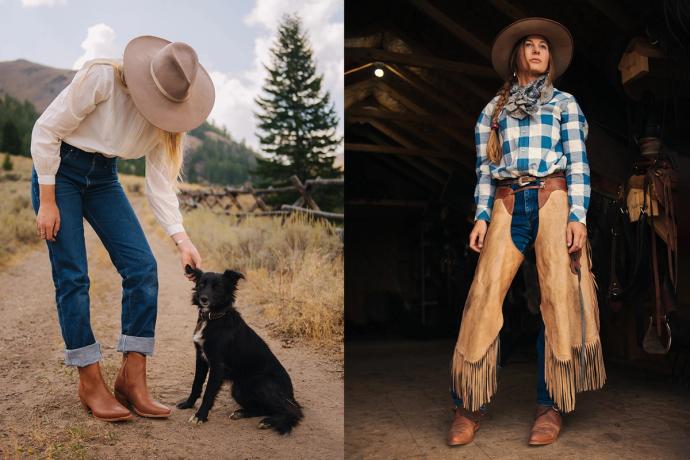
[[297, 121], [11, 140]]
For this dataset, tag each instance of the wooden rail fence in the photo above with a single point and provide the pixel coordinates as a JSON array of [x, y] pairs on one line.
[[225, 199]]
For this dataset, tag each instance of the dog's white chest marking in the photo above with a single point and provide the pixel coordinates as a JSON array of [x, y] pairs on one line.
[[199, 337]]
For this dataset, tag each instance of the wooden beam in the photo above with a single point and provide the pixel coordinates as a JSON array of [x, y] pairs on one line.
[[360, 114], [420, 165], [472, 88], [409, 173], [389, 203], [418, 60], [432, 93], [358, 91], [391, 150], [616, 13], [406, 142], [435, 142], [508, 9], [452, 132], [453, 27]]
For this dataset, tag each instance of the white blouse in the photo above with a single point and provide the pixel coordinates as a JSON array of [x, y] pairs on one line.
[[96, 114]]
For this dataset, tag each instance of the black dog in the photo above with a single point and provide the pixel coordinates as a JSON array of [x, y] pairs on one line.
[[231, 350]]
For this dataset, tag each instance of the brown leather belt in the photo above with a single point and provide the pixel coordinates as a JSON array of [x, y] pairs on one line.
[[546, 185], [526, 180]]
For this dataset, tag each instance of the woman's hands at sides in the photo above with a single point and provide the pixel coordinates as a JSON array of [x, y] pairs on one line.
[[188, 253], [575, 236], [48, 216], [477, 235]]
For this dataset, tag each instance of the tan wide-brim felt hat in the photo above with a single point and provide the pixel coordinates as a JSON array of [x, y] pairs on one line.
[[167, 84], [556, 33]]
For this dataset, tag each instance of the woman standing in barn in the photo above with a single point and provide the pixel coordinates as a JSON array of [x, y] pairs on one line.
[[532, 189], [139, 105]]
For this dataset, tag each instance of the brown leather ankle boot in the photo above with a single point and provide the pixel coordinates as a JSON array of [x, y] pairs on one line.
[[95, 396], [130, 387], [465, 424], [547, 426]]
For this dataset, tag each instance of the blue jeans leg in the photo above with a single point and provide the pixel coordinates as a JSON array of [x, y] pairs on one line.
[[109, 212], [70, 273]]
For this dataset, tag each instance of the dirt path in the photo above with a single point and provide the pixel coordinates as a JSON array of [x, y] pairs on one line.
[[41, 415]]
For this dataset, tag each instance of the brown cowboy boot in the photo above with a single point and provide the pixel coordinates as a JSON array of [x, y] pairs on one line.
[[95, 396], [547, 425], [464, 425], [130, 387]]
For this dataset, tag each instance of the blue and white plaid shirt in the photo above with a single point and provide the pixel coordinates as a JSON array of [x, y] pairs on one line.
[[552, 139]]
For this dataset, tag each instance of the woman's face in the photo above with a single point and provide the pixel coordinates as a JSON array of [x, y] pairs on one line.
[[534, 58]]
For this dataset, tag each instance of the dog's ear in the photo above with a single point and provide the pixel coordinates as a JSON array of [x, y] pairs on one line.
[[193, 271], [232, 277]]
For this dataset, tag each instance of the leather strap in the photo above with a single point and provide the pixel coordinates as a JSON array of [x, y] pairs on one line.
[[523, 180]]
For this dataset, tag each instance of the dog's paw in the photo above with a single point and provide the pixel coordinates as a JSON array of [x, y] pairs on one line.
[[265, 424], [185, 404], [197, 420], [238, 414]]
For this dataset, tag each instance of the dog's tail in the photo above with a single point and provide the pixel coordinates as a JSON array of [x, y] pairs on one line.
[[287, 418]]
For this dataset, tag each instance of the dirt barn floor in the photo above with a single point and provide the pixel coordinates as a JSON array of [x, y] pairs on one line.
[[397, 405], [40, 414]]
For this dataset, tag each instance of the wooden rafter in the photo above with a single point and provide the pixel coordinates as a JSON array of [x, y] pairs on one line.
[[407, 142], [471, 87], [432, 93], [356, 92], [417, 60], [363, 114], [392, 150], [453, 27], [411, 105], [615, 12], [509, 9]]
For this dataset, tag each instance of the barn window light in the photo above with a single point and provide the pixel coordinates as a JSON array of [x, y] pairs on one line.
[[378, 69]]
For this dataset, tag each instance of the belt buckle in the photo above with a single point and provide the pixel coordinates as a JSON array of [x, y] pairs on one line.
[[524, 180]]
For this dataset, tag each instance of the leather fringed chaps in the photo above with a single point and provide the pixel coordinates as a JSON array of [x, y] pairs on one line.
[[570, 365]]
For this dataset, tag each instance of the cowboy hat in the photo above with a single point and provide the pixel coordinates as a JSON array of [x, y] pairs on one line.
[[558, 36], [167, 84]]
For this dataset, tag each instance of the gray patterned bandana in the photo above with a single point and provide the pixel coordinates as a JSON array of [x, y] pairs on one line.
[[526, 99]]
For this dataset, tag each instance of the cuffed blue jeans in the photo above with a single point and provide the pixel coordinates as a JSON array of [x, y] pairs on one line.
[[87, 186], [523, 231]]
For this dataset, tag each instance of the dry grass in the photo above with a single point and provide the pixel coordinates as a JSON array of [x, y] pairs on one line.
[[17, 217], [294, 269]]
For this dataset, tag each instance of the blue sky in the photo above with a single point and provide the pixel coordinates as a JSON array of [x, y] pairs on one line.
[[231, 37]]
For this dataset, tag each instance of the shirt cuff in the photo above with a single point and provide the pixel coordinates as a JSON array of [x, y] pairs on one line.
[[578, 215], [175, 228], [483, 214], [46, 179]]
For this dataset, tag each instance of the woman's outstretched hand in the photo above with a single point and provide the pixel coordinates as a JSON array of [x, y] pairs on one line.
[[477, 235], [189, 255], [575, 236]]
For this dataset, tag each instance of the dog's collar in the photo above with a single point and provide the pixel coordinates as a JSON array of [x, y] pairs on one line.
[[210, 316]]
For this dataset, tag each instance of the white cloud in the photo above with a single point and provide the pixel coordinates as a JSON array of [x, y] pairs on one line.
[[38, 3], [235, 92], [99, 42]]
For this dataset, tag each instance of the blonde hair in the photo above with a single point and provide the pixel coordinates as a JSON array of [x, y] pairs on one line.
[[173, 143], [493, 147]]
